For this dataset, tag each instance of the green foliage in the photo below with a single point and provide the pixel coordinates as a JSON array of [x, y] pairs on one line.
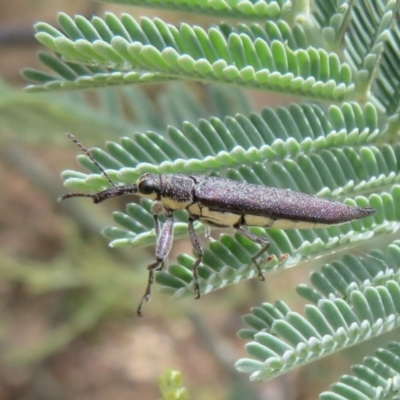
[[171, 386], [351, 301], [376, 378], [92, 293], [238, 9], [259, 58], [341, 54]]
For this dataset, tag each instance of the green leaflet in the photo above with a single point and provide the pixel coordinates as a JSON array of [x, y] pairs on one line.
[[222, 8], [376, 377], [283, 340], [264, 57], [267, 139]]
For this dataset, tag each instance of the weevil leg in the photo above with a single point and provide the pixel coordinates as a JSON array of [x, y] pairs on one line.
[[199, 250], [257, 239], [157, 209], [207, 234], [163, 247]]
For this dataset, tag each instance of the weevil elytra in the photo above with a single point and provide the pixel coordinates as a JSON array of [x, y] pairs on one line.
[[222, 203]]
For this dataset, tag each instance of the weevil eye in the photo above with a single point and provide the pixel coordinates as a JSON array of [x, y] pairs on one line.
[[147, 187]]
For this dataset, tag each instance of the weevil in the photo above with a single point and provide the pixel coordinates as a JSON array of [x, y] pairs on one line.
[[221, 203]]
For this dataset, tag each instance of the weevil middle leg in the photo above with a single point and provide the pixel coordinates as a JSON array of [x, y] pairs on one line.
[[199, 250], [157, 209], [207, 234], [163, 247], [257, 239]]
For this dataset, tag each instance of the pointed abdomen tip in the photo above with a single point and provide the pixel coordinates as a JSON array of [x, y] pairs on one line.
[[366, 211]]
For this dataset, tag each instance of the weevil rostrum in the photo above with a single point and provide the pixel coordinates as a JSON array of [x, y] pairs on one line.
[[222, 203]]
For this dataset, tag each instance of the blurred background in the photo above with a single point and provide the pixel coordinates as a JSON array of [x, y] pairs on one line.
[[68, 328]]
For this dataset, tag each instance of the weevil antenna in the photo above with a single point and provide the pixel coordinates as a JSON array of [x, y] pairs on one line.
[[69, 195], [87, 152]]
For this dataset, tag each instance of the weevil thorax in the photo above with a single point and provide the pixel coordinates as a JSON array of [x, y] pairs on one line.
[[174, 191]]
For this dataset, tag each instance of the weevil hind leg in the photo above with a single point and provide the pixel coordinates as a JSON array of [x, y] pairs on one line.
[[163, 247], [261, 241], [199, 250]]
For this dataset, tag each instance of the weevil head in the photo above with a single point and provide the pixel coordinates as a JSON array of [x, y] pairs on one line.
[[149, 186], [174, 191]]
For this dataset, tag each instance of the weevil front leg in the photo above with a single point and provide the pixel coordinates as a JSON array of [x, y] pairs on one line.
[[163, 247], [157, 209], [257, 239], [199, 250]]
